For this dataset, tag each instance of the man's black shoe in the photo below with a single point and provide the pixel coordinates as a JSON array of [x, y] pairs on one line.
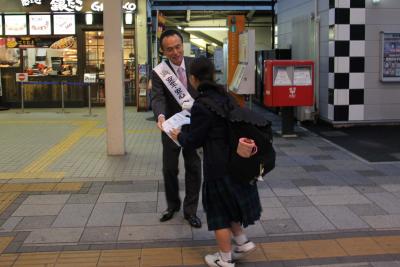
[[167, 215], [193, 220]]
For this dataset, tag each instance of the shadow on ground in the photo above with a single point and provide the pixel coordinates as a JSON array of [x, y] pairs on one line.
[[372, 143]]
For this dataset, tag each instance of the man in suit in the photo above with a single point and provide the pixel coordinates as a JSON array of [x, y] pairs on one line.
[[164, 106]]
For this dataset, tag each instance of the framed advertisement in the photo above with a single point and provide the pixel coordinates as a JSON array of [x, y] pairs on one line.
[[64, 24], [390, 57], [39, 24], [15, 25]]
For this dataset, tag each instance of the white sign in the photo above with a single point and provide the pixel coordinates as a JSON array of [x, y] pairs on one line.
[[89, 78], [1, 25], [26, 3], [64, 24], [98, 6], [15, 25], [39, 24], [66, 5], [21, 77]]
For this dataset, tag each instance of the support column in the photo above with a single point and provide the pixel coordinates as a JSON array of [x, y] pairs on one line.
[[114, 80]]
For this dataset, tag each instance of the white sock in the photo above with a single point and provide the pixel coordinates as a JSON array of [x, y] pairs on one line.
[[226, 256], [240, 239]]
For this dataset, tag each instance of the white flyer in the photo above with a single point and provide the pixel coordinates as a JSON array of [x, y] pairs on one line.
[[176, 122]]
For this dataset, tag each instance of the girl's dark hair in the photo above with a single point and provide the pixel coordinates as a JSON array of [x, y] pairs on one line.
[[203, 69]]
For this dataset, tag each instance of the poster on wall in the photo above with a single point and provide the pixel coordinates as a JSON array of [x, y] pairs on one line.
[[15, 25], [39, 24], [64, 24], [390, 57]]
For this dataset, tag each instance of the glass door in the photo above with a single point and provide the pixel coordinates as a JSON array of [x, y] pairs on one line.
[[94, 47]]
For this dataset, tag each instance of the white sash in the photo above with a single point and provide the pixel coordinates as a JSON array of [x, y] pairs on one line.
[[174, 85]]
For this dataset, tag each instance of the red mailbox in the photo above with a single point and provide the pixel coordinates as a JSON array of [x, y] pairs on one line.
[[289, 83]]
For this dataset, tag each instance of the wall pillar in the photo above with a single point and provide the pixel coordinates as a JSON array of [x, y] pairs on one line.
[[114, 80]]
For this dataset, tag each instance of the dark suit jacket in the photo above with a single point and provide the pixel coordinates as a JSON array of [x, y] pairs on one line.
[[162, 101]]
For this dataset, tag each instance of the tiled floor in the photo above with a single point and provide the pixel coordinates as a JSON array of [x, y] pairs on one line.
[[64, 202]]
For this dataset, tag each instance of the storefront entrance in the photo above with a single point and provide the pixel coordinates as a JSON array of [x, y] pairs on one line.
[[94, 63]]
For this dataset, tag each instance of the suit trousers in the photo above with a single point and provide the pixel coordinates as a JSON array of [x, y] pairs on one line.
[[170, 170]]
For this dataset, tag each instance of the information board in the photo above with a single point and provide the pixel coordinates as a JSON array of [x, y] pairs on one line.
[[390, 57], [39, 24], [15, 25], [64, 24]]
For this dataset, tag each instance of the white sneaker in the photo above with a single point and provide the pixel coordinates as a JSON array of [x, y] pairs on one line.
[[240, 251], [215, 260]]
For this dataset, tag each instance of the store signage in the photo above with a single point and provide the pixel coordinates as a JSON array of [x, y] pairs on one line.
[[21, 77], [98, 6], [89, 78], [64, 24], [15, 25], [26, 3], [39, 24], [66, 5]]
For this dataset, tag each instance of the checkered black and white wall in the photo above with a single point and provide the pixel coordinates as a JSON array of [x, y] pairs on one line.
[[346, 60]]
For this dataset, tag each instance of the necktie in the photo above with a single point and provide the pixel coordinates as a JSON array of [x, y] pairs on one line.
[[182, 76]]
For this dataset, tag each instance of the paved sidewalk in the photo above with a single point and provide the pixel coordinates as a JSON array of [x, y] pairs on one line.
[[59, 191]]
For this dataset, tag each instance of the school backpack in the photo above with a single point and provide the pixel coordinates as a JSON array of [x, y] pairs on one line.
[[243, 122]]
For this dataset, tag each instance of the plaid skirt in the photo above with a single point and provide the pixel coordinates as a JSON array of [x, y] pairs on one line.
[[226, 201]]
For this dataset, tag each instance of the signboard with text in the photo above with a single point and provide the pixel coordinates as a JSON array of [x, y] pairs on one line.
[[21, 77], [90, 78], [390, 57]]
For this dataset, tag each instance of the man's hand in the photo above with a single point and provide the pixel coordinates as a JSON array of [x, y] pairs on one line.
[[160, 121], [174, 134]]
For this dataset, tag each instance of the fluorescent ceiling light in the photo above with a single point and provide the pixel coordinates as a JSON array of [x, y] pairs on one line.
[[179, 27], [206, 29]]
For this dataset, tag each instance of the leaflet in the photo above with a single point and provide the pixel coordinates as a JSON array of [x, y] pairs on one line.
[[176, 122]]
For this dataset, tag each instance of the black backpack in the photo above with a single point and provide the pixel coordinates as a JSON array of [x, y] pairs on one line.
[[243, 122]]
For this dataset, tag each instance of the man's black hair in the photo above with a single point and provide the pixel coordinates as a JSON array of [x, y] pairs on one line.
[[168, 33]]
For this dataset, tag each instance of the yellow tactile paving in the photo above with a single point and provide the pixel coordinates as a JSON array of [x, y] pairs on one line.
[[45, 187], [390, 244], [41, 187], [37, 168], [39, 258], [14, 187], [322, 248], [195, 255], [78, 258], [68, 187], [274, 251], [283, 251], [120, 258], [7, 260], [360, 246], [6, 199], [4, 242], [161, 257]]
